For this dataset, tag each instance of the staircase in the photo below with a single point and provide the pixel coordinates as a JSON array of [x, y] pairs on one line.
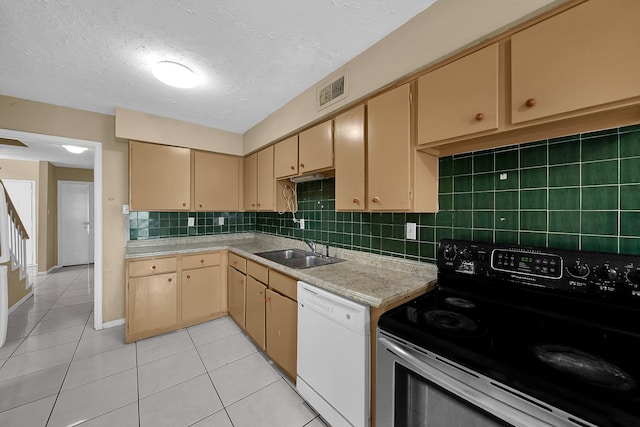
[[13, 256]]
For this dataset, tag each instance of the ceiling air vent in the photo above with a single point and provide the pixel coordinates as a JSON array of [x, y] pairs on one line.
[[331, 91]]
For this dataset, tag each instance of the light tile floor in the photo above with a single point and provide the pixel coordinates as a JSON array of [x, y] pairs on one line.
[[56, 370]]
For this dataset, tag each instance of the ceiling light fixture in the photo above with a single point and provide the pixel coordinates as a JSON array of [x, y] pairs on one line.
[[174, 74], [75, 149]]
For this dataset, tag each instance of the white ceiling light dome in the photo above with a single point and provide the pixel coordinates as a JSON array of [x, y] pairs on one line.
[[75, 149], [175, 74]]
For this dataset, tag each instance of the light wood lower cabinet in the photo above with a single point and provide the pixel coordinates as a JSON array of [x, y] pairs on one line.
[[236, 288], [255, 311], [282, 331], [153, 303], [168, 293]]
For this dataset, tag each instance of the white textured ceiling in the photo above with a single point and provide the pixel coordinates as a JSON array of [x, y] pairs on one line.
[[252, 56]]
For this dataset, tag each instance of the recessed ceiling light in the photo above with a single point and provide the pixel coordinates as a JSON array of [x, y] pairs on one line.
[[75, 149], [174, 74]]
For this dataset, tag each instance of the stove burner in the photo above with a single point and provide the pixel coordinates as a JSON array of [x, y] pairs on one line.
[[452, 322], [586, 367], [459, 302]]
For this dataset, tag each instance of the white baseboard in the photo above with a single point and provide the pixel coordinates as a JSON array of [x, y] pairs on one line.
[[19, 303], [44, 273], [113, 323]]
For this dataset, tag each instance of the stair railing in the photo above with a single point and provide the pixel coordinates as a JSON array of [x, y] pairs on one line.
[[17, 237]]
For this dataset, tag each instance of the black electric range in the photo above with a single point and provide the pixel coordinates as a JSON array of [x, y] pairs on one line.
[[560, 326]]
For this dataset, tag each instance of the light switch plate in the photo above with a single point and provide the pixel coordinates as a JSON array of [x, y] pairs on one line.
[[192, 222], [411, 230], [221, 220]]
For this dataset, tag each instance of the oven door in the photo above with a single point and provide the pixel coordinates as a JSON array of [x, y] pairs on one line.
[[417, 388]]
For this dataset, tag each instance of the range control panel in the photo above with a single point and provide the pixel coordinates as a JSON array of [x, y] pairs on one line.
[[590, 273]]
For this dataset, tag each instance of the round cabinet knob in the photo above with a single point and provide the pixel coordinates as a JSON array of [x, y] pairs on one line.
[[267, 300], [235, 263], [356, 200], [293, 168], [201, 261], [376, 199], [479, 117], [153, 267], [530, 102], [188, 276], [200, 204], [240, 282], [170, 279], [301, 165], [184, 204]]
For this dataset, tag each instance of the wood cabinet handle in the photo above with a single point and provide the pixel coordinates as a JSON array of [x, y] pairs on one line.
[[184, 204], [234, 262], [293, 168], [267, 300], [253, 204], [201, 261], [530, 102], [479, 117], [200, 205], [170, 279], [301, 165], [240, 282], [356, 200], [188, 276], [376, 199], [153, 267]]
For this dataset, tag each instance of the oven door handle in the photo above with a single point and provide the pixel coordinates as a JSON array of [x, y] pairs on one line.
[[448, 376]]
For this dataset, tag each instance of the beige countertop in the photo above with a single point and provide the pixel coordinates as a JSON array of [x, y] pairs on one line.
[[370, 279]]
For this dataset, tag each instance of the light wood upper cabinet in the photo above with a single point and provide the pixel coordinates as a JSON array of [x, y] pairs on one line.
[[286, 157], [315, 148], [584, 57], [350, 149], [216, 181], [266, 181], [251, 182], [259, 183], [460, 98], [389, 148], [159, 177]]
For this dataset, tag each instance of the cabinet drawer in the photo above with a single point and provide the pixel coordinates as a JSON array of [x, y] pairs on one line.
[[200, 260], [283, 284], [237, 262], [257, 271], [153, 266]]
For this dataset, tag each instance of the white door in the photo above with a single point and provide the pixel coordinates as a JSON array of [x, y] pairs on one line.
[[75, 223], [23, 196]]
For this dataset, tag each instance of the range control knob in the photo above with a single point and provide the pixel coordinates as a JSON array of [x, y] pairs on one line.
[[633, 276], [450, 252], [578, 270], [466, 254], [607, 273]]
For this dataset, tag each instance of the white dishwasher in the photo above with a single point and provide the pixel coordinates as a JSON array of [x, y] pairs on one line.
[[333, 356]]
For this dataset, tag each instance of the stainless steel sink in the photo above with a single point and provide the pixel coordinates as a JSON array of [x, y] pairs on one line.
[[298, 258]]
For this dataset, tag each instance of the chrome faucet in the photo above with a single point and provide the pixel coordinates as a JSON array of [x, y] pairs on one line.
[[311, 244]]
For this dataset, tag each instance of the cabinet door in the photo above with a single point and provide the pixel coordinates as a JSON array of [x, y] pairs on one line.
[[266, 182], [216, 181], [153, 303], [389, 144], [251, 182], [315, 148], [159, 177], [255, 311], [201, 292], [584, 57], [236, 285], [460, 98], [282, 331], [286, 157], [350, 160]]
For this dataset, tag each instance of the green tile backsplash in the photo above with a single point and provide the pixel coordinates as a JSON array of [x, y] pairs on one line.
[[575, 192]]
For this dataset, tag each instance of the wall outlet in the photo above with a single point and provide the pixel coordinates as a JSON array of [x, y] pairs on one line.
[[503, 176], [411, 230], [125, 209], [221, 220], [301, 224], [191, 222]]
